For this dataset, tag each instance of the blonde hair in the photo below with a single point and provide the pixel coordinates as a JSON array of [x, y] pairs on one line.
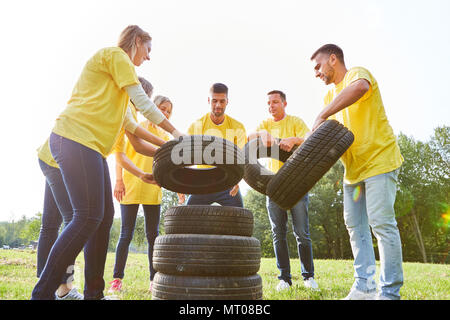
[[161, 99], [147, 86], [127, 39]]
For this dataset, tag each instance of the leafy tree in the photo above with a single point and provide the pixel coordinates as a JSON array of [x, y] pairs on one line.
[[114, 235], [256, 203], [32, 228], [139, 237], [423, 195]]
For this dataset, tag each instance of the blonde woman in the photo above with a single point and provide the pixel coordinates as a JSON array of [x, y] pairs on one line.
[[132, 192], [57, 207], [83, 135]]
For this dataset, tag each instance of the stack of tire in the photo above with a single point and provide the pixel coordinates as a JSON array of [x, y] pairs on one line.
[[302, 167], [207, 252]]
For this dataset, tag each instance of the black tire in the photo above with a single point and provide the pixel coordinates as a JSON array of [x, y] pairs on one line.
[[217, 220], [171, 287], [256, 175], [309, 163], [191, 150], [206, 255]]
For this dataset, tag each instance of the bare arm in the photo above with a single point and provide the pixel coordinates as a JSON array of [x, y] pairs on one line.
[[166, 125], [149, 110], [148, 136], [346, 98], [123, 161], [119, 188]]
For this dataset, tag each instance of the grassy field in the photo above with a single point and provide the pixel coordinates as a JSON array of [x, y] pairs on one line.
[[335, 277]]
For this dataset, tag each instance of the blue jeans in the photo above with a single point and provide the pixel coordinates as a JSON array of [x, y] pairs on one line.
[[278, 220], [86, 178], [129, 214], [223, 198], [369, 204], [57, 208]]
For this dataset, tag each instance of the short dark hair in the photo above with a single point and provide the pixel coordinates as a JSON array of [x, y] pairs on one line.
[[281, 93], [330, 49], [219, 88]]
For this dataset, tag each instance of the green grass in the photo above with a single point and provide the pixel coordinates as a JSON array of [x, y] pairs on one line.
[[335, 277]]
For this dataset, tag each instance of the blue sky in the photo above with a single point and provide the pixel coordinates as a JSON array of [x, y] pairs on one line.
[[252, 46]]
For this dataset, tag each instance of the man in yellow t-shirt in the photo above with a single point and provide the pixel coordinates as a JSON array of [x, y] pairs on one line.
[[217, 123], [371, 169], [291, 130]]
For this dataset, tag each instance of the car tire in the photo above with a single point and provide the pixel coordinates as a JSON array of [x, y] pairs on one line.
[[172, 287], [206, 255], [178, 176], [309, 163], [219, 220]]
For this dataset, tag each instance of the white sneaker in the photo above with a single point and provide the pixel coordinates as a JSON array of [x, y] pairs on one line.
[[73, 294], [311, 284], [356, 294], [283, 285]]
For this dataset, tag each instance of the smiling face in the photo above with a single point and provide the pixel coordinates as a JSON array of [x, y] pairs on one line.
[[324, 67], [218, 102], [143, 49]]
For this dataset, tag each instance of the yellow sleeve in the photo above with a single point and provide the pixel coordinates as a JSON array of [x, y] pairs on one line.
[[120, 145], [129, 123], [196, 128], [122, 69], [262, 126], [357, 73], [241, 137]]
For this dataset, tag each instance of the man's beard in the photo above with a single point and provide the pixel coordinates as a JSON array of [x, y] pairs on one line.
[[218, 113], [330, 75]]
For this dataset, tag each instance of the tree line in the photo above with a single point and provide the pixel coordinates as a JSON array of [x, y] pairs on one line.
[[422, 210]]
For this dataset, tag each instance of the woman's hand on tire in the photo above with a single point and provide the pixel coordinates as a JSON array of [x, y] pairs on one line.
[[148, 178]]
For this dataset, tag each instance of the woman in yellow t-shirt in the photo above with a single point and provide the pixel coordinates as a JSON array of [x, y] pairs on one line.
[[131, 192], [83, 135], [57, 203]]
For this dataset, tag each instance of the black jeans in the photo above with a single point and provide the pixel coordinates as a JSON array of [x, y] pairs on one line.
[[300, 223], [57, 208], [129, 214], [86, 177]]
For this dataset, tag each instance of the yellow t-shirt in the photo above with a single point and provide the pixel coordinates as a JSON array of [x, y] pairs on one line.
[[230, 129], [120, 144], [289, 126], [137, 191], [45, 155], [97, 107], [375, 149]]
